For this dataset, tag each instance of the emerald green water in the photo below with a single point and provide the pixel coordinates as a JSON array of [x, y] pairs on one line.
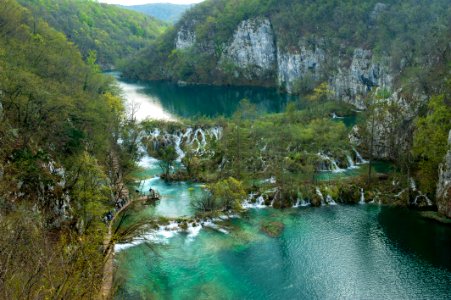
[[169, 101], [350, 252]]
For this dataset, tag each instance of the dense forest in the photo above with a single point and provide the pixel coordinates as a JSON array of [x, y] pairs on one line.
[[112, 32], [60, 119]]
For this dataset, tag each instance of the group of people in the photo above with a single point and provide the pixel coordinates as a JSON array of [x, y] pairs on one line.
[[153, 194], [120, 203], [109, 215]]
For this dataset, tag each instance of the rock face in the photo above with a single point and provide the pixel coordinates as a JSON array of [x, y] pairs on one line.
[[253, 54], [186, 38], [252, 51], [444, 185], [299, 64], [365, 73], [393, 129]]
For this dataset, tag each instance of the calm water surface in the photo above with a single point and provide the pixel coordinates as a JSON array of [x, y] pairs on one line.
[[349, 252], [169, 101]]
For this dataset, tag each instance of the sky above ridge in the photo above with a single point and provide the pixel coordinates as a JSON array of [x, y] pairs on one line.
[[137, 2]]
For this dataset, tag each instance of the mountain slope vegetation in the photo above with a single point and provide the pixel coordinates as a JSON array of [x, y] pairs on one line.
[[60, 119], [114, 33], [413, 34]]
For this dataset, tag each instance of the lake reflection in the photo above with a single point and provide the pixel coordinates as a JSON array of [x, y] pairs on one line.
[[168, 101]]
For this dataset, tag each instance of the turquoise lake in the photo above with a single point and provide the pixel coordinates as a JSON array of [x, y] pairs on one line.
[[332, 252], [166, 100], [338, 252]]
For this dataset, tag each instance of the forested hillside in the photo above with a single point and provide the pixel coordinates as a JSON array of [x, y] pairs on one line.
[[167, 12], [60, 119], [114, 33], [205, 45]]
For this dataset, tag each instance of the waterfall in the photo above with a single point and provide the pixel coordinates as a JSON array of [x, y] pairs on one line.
[[187, 135], [334, 116], [351, 163], [362, 196], [180, 138], [216, 132], [413, 185], [305, 203], [318, 192], [360, 159], [259, 202], [301, 203], [330, 200], [333, 164], [428, 201], [178, 149], [272, 203]]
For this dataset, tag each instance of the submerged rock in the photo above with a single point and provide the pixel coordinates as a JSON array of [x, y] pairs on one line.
[[272, 228]]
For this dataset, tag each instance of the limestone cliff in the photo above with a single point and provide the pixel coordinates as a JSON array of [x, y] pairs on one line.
[[444, 184], [252, 51], [301, 63], [186, 38], [365, 73]]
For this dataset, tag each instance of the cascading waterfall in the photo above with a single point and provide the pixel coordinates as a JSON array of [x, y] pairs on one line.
[[163, 233], [413, 187], [351, 163], [425, 197], [305, 203], [325, 200], [259, 202], [178, 148], [196, 138], [360, 159], [362, 196], [330, 200], [318, 192], [332, 164], [334, 116], [413, 184]]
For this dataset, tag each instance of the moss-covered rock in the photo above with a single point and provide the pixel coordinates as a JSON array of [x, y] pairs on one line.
[[349, 193]]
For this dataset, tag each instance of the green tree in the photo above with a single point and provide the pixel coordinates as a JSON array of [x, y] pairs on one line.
[[168, 156], [431, 141], [227, 194]]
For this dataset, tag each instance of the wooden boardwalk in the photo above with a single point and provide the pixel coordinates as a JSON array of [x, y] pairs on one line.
[[120, 192]]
